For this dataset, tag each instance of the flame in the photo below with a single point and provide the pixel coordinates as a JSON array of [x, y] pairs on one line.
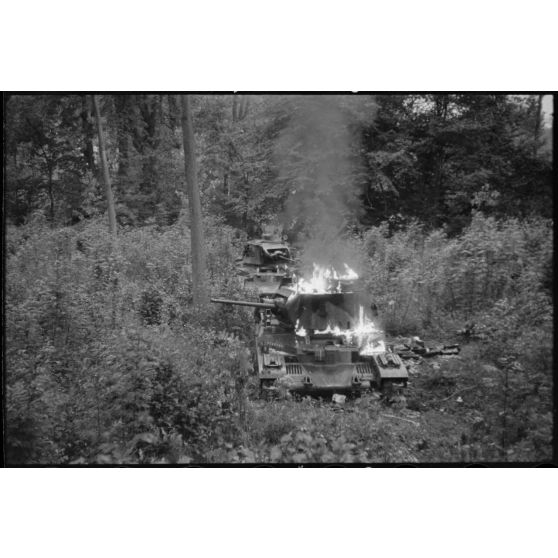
[[349, 273], [365, 334], [299, 330], [325, 279], [373, 348]]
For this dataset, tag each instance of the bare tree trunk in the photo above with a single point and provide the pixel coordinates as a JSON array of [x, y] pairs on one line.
[[537, 125], [244, 103], [240, 107], [196, 230], [87, 128], [122, 106], [173, 111], [226, 186], [50, 194], [104, 165], [235, 108]]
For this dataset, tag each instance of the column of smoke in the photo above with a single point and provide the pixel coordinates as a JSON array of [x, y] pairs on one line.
[[315, 158]]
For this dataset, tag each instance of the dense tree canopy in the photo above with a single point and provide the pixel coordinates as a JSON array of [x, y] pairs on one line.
[[431, 157]]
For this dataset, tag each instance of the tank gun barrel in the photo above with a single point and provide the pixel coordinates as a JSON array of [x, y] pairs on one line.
[[269, 305]]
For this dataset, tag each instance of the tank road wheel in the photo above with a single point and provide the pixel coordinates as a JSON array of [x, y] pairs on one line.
[[356, 393], [267, 389], [392, 392], [387, 389], [388, 392]]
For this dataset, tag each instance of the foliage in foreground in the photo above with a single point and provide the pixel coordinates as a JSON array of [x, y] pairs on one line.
[[108, 363]]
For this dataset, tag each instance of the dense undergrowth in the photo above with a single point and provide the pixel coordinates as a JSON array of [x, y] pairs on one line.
[[107, 361]]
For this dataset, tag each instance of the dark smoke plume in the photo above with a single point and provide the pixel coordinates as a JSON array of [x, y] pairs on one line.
[[316, 158]]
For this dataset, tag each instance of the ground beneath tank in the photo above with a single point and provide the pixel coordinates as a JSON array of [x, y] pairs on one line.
[[452, 411]]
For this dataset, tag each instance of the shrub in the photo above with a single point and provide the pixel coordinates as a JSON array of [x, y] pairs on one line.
[[102, 346], [424, 280]]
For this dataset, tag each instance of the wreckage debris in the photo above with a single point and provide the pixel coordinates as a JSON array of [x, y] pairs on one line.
[[338, 398], [451, 350], [414, 349]]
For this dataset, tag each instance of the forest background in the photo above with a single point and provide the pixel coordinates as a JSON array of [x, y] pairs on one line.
[[443, 201]]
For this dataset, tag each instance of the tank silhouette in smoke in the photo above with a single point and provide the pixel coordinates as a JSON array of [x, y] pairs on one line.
[[266, 267]]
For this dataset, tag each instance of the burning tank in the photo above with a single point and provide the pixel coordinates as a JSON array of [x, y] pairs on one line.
[[323, 337]]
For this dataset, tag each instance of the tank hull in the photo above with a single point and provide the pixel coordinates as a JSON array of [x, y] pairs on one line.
[[284, 359]]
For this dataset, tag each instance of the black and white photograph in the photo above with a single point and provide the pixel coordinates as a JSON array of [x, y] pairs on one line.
[[278, 279]]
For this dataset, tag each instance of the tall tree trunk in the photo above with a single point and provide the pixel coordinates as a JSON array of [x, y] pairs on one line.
[[538, 117], [226, 186], [240, 107], [154, 130], [51, 196], [235, 108], [244, 103], [196, 230], [173, 111], [122, 106], [87, 128], [104, 165]]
